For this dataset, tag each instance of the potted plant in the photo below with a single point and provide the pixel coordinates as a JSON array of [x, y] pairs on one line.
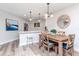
[[53, 31]]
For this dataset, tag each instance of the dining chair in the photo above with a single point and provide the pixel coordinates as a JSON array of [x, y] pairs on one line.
[[68, 46], [41, 39], [49, 44]]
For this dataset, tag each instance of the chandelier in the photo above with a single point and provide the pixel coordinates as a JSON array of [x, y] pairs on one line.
[[48, 14]]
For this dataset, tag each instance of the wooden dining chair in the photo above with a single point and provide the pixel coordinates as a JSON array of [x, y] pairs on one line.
[[49, 44], [68, 46], [41, 39]]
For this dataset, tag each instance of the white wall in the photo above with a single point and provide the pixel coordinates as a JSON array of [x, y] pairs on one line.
[[7, 36], [32, 28], [73, 12]]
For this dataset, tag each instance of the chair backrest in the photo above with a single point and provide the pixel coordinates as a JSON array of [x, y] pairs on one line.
[[43, 37], [71, 39]]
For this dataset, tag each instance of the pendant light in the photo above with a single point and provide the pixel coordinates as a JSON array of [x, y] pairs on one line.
[[47, 15], [39, 17], [30, 16]]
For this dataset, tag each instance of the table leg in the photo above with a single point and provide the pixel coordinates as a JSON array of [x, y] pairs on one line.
[[60, 49]]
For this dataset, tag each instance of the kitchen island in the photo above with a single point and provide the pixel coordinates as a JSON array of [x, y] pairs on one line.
[[28, 37]]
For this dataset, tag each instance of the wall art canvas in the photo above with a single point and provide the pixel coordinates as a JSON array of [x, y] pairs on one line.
[[11, 25]]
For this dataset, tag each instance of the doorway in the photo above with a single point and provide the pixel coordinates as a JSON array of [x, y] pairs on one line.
[[25, 27]]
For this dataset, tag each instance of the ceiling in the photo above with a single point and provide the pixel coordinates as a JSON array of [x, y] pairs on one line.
[[19, 9]]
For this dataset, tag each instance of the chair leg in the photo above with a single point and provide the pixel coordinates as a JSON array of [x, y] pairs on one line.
[[48, 49], [63, 52], [72, 52], [55, 48], [43, 48]]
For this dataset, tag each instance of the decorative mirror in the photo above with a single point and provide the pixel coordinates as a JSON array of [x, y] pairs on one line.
[[63, 21]]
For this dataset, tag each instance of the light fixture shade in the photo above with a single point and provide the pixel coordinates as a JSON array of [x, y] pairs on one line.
[[46, 16], [30, 19], [51, 15], [39, 20]]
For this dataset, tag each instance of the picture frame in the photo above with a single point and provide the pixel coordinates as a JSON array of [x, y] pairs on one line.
[[37, 24], [11, 25]]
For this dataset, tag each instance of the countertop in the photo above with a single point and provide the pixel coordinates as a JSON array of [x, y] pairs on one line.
[[26, 32]]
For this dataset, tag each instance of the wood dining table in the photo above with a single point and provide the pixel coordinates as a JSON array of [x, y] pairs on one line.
[[60, 39]]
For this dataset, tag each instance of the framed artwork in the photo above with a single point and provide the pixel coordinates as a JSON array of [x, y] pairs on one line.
[[11, 25], [36, 24]]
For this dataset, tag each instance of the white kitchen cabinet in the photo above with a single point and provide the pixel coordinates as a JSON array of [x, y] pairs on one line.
[[23, 39], [28, 38]]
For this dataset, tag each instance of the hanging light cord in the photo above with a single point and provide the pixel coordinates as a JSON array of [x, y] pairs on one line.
[[39, 16], [30, 14]]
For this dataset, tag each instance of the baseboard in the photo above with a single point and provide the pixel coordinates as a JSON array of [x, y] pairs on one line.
[[8, 41]]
